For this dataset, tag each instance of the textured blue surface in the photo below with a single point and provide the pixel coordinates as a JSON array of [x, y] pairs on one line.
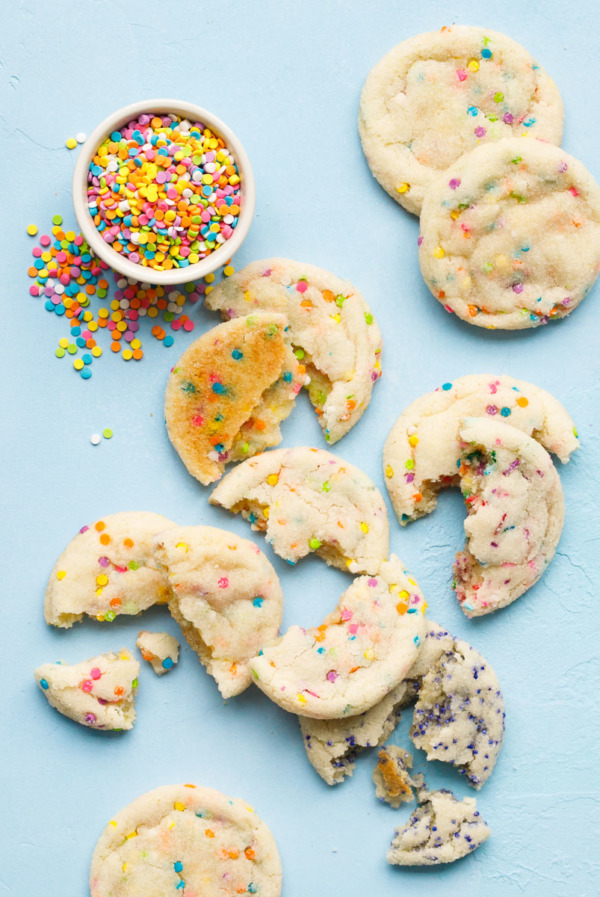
[[287, 77]]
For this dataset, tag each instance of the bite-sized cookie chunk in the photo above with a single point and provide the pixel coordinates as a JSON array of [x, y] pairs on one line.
[[225, 596], [510, 235], [98, 692], [391, 776], [108, 569], [438, 95], [188, 840], [332, 330], [332, 745], [361, 652], [306, 500], [441, 830], [422, 452], [515, 516], [160, 649], [459, 714], [229, 392]]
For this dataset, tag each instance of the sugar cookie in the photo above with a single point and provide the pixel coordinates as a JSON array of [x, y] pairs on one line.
[[98, 692], [181, 838], [510, 235], [359, 654], [515, 515], [392, 778], [441, 830], [422, 452], [225, 596], [107, 570], [306, 500], [459, 714], [332, 330], [229, 392], [159, 649], [437, 95]]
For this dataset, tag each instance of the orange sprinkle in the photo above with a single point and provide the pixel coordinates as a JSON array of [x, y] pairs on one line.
[[105, 539]]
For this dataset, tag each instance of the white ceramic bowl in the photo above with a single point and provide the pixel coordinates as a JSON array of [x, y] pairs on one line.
[[121, 263]]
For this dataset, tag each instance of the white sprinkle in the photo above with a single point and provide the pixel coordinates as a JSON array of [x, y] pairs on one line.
[[95, 438], [81, 137]]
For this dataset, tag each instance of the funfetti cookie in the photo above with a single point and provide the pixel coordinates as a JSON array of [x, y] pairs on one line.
[[332, 329], [225, 596], [106, 570], [510, 235], [441, 830], [459, 714], [361, 652], [422, 452], [98, 692], [159, 649], [438, 95], [229, 392], [515, 510], [308, 500], [183, 839]]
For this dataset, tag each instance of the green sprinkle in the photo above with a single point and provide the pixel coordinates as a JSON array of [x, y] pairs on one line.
[[368, 317], [107, 433], [299, 353], [314, 544], [57, 219], [326, 487]]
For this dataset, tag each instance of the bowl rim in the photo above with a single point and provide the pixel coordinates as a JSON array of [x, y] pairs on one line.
[[104, 251]]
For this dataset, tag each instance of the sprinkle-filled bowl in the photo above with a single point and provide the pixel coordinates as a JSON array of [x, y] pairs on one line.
[[176, 201]]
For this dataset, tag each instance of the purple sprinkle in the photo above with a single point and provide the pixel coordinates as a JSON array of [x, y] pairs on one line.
[[90, 718], [410, 477], [517, 287], [419, 241], [508, 118], [511, 467], [102, 701], [104, 562]]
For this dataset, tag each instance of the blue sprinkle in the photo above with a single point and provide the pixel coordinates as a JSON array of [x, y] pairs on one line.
[[44, 684], [446, 386], [529, 122], [487, 54], [85, 373], [219, 388], [167, 664], [177, 866], [505, 412], [168, 341], [258, 601], [236, 354], [473, 110], [287, 376]]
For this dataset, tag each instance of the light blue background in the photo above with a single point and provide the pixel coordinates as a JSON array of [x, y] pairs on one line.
[[287, 77]]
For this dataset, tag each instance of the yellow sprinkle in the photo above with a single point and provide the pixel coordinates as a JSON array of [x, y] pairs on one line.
[[272, 479], [455, 214], [124, 656], [389, 471], [403, 188], [301, 699], [404, 594], [96, 351], [369, 654], [185, 547], [32, 230], [473, 65], [131, 835], [124, 867], [412, 581], [102, 579], [100, 617], [439, 253], [70, 143], [99, 592], [336, 318], [61, 574], [113, 822], [209, 278], [364, 527], [266, 513], [228, 270], [413, 440], [179, 806]]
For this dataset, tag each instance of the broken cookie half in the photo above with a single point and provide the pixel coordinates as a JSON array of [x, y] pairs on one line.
[[229, 392]]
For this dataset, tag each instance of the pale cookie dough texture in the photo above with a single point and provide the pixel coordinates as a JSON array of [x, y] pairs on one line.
[[439, 95], [225, 596], [106, 570], [441, 830], [98, 692], [332, 329], [308, 500], [392, 778], [515, 516], [459, 721], [183, 838], [422, 452], [510, 235], [159, 649], [229, 392], [361, 652]]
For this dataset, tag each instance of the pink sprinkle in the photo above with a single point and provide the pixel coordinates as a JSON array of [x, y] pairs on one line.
[[302, 286], [454, 183], [223, 582], [332, 675], [95, 673], [84, 529], [373, 583], [492, 409], [90, 718], [517, 287], [419, 241], [86, 685], [197, 420], [480, 132], [573, 191], [346, 614], [45, 240], [410, 477], [189, 325], [104, 562], [563, 166], [508, 118], [461, 74], [353, 628], [267, 273]]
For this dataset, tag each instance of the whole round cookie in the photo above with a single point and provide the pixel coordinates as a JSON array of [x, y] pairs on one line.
[[309, 500], [229, 392], [332, 329], [225, 596], [515, 516], [510, 235], [189, 840], [106, 570], [360, 652], [438, 95], [422, 452]]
